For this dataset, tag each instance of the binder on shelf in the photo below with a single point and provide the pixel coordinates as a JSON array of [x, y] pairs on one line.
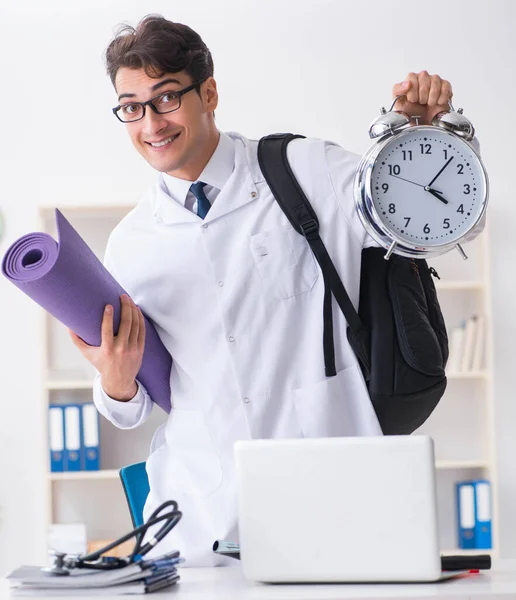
[[56, 438], [480, 341], [72, 437], [483, 516], [456, 337], [90, 437], [470, 334], [465, 494]]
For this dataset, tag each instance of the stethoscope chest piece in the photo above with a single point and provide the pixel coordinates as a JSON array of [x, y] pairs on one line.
[[58, 568]]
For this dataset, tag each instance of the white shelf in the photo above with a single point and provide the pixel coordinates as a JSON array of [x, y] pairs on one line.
[[79, 475], [468, 375], [461, 464], [460, 285], [69, 384], [462, 551], [113, 473], [87, 384]]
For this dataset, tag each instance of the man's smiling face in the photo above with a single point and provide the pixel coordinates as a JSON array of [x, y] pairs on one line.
[[178, 143]]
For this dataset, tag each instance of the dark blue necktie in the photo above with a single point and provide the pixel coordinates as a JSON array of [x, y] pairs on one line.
[[203, 204]]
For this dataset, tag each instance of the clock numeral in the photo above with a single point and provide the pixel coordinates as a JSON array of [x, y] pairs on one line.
[[461, 209], [467, 189], [426, 148], [426, 229], [445, 154], [394, 170], [460, 169], [385, 187], [407, 153], [407, 219], [446, 224], [392, 208]]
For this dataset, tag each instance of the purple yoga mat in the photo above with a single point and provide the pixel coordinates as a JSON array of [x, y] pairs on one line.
[[71, 283]]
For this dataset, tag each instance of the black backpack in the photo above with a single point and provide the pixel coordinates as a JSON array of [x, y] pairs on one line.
[[398, 334]]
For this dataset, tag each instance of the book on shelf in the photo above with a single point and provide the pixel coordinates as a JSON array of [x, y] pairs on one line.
[[466, 345]]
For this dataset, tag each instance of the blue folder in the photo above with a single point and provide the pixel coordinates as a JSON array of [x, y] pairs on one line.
[[465, 495], [72, 436], [483, 514], [56, 438], [90, 438]]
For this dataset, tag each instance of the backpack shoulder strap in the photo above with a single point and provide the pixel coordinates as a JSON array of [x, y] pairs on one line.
[[272, 158]]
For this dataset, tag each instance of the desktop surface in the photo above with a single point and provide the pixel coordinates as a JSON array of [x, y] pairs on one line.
[[227, 583]]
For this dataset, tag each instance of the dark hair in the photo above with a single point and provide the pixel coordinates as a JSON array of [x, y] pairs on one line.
[[159, 46]]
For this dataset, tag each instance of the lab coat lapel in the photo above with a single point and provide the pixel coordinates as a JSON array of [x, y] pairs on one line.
[[167, 210], [240, 189]]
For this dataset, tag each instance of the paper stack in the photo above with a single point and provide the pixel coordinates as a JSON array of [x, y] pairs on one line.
[[141, 577]]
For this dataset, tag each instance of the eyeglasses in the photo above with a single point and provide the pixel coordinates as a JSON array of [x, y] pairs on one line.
[[162, 104]]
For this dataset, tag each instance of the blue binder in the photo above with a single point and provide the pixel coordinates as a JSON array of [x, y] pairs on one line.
[[72, 436], [56, 438], [483, 514], [90, 437], [465, 494]]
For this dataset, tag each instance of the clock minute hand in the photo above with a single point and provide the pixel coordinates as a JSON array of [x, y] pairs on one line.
[[407, 180], [445, 165]]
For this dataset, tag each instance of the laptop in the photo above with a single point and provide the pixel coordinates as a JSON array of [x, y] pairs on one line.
[[354, 509]]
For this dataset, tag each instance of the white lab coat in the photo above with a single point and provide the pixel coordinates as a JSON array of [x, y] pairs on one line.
[[237, 299]]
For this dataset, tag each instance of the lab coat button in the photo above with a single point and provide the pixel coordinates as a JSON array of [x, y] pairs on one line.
[[221, 284], [231, 339], [247, 400], [253, 194], [205, 226]]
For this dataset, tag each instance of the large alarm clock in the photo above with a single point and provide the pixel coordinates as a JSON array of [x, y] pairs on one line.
[[421, 190]]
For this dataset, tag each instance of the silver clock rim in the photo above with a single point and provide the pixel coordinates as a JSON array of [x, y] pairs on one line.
[[371, 219]]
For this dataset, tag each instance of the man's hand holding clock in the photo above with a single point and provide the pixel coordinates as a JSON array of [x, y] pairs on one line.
[[423, 96]]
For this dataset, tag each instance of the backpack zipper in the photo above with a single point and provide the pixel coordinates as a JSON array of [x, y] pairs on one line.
[[434, 272], [415, 268]]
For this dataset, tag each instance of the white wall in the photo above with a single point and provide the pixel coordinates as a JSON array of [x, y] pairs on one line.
[[320, 68]]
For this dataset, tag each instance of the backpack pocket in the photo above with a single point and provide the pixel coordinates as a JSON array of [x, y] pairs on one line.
[[418, 337], [434, 310]]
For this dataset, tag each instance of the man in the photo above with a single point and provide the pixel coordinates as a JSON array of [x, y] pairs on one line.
[[233, 291]]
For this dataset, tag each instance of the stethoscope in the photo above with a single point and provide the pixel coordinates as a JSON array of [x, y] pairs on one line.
[[63, 563]]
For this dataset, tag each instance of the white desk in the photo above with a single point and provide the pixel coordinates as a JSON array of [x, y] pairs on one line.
[[229, 584]]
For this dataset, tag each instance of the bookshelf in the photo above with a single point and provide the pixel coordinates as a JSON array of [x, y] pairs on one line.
[[462, 425]]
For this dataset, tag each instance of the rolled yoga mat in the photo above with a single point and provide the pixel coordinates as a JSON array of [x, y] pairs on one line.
[[71, 283]]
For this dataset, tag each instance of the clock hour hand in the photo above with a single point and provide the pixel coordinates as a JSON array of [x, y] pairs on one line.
[[436, 194]]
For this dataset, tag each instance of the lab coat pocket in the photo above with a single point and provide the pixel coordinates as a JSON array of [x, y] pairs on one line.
[[192, 464], [336, 406], [285, 262]]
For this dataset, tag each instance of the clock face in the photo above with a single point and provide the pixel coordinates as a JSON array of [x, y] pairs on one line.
[[428, 186]]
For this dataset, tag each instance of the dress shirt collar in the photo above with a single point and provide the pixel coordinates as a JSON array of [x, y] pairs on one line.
[[215, 174]]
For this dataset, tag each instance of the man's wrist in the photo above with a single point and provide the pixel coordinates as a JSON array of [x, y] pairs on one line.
[[121, 395]]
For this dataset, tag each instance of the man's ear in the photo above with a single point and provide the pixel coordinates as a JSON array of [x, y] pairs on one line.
[[209, 94]]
